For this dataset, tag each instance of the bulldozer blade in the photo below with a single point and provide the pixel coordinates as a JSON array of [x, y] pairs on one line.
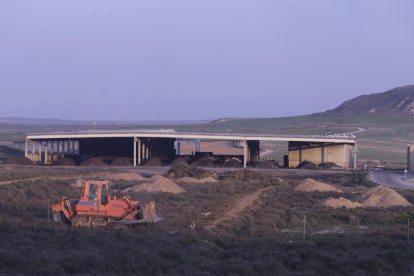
[[149, 213], [56, 217], [115, 223]]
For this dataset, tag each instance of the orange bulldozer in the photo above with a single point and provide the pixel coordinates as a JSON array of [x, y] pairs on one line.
[[100, 206]]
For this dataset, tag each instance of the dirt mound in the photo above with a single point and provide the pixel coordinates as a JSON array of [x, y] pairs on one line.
[[310, 185], [203, 162], [189, 179], [178, 161], [381, 196], [233, 163], [157, 183], [267, 164], [329, 166], [125, 176], [245, 176], [339, 202], [208, 180], [154, 161], [65, 161], [19, 161], [121, 161], [94, 161], [307, 165], [183, 170]]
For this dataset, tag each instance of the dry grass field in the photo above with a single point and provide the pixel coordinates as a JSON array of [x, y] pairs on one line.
[[252, 217]]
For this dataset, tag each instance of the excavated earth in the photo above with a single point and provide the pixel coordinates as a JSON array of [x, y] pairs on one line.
[[310, 185], [157, 183], [19, 161], [381, 196], [339, 203], [94, 161]]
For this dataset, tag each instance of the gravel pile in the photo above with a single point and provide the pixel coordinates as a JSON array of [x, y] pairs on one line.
[[267, 164], [339, 203], [154, 161], [208, 180], [307, 165], [19, 161], [381, 196], [233, 163], [157, 183], [93, 161], [329, 166], [203, 162], [121, 161], [310, 185], [65, 161], [125, 176], [178, 161]]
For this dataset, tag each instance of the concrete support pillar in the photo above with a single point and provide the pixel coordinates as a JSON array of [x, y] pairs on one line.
[[135, 151], [245, 154], [146, 150], [198, 145], [139, 152], [40, 152], [46, 155], [26, 148], [33, 150]]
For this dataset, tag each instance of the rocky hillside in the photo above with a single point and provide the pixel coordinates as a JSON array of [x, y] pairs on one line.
[[398, 101]]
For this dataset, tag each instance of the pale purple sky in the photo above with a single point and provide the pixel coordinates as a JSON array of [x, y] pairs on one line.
[[204, 59]]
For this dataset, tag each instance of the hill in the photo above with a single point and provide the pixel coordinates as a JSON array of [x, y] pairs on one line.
[[398, 101]]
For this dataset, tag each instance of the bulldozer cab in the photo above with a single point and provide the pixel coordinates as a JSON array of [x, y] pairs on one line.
[[96, 192]]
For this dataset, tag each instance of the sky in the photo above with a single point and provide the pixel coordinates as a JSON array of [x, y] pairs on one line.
[[195, 60]]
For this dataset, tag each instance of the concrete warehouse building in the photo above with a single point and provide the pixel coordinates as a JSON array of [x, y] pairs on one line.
[[142, 145]]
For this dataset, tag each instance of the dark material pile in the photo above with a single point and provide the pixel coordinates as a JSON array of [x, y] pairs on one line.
[[307, 165], [178, 161], [65, 161], [203, 162], [267, 164], [233, 163], [187, 171], [154, 161], [329, 166], [94, 161], [246, 176], [121, 161], [19, 161]]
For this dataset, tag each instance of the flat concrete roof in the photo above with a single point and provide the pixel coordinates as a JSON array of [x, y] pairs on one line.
[[189, 135]]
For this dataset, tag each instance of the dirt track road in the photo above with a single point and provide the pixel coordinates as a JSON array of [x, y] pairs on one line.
[[393, 179]]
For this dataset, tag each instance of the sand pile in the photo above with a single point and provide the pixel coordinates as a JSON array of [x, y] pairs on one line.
[[154, 161], [187, 179], [381, 196], [208, 180], [233, 163], [121, 161], [203, 162], [19, 161], [94, 161], [178, 161], [339, 202], [157, 183], [125, 176], [307, 165], [310, 185], [65, 161]]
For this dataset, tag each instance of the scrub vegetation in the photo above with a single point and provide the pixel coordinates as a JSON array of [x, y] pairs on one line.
[[184, 243]]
